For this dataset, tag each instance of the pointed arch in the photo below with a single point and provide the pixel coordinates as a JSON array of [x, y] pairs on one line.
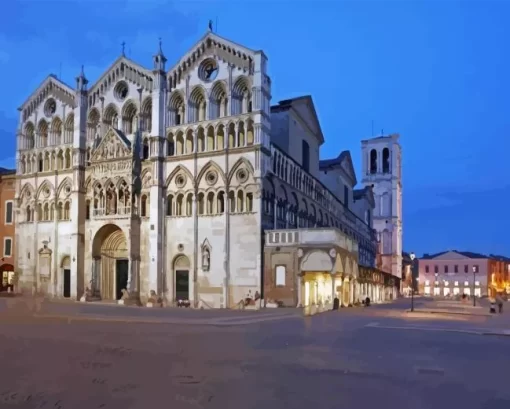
[[240, 162], [176, 99], [129, 109], [44, 185], [66, 182], [110, 115], [241, 85], [208, 166], [27, 189], [197, 94], [218, 91], [178, 169], [88, 183]]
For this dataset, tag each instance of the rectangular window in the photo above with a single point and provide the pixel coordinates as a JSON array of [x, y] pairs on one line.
[[280, 275], [436, 269], [446, 269], [466, 267], [305, 155], [8, 212], [475, 268], [7, 247], [455, 268], [426, 269]]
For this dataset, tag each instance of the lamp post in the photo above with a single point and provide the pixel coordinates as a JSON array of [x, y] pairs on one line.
[[474, 296], [413, 256]]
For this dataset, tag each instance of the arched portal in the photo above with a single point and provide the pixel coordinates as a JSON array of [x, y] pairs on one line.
[[181, 270], [110, 269]]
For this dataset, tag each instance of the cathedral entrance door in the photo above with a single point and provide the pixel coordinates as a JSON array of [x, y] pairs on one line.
[[121, 276], [110, 249], [182, 285], [181, 270], [67, 283]]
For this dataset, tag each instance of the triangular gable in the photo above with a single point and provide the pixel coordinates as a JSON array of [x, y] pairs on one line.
[[131, 65], [211, 44], [113, 145], [347, 166], [50, 86], [305, 108], [451, 255]]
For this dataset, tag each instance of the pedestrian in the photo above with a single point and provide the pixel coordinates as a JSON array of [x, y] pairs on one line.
[[499, 301]]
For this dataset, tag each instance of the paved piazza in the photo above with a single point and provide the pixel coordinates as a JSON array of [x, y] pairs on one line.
[[74, 356]]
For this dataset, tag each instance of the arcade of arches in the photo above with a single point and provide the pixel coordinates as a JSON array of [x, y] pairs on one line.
[[110, 268]]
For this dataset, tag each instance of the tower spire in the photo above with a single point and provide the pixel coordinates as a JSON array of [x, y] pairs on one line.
[[159, 59], [81, 80], [123, 44]]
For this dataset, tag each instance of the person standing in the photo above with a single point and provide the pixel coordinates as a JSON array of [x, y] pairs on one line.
[[499, 302]]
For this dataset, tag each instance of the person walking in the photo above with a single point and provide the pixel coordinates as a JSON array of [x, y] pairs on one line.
[[499, 302]]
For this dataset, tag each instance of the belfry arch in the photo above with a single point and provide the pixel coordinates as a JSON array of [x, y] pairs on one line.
[[110, 267]]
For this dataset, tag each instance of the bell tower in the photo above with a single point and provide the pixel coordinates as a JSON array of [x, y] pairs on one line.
[[382, 170]]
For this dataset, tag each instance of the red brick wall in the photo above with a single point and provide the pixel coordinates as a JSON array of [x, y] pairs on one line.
[[288, 293]]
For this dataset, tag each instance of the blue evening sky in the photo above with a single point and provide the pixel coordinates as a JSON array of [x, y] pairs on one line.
[[434, 71]]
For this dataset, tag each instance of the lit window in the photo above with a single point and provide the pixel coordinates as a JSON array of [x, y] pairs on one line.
[[445, 282], [477, 282], [456, 283], [427, 282], [466, 283], [280, 275]]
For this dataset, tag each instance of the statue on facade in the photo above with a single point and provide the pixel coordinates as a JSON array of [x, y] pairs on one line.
[[206, 258]]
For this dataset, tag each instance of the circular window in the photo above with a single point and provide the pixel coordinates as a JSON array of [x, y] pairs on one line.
[[242, 175], [67, 189], [211, 177], [121, 90], [208, 70], [180, 181], [46, 192], [180, 247], [50, 107]]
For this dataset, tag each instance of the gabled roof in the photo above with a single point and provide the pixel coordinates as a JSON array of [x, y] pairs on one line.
[[299, 104], [51, 85], [342, 161], [201, 46], [111, 134], [467, 254], [365, 193], [121, 60]]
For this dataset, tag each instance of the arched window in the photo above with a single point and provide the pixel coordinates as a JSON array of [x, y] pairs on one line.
[[145, 148], [386, 160], [143, 206], [373, 161], [210, 203], [170, 205]]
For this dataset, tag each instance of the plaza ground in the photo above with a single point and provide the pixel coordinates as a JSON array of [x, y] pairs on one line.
[[70, 355]]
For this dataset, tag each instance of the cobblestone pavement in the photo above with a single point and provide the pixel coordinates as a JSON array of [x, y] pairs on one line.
[[333, 360]]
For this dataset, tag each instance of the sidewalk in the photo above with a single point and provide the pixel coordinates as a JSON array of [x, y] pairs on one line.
[[72, 311]]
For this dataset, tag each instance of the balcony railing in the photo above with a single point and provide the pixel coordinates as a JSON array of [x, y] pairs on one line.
[[120, 211]]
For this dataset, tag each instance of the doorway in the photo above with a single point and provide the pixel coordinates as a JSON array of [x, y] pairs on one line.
[[121, 277], [182, 285], [67, 283]]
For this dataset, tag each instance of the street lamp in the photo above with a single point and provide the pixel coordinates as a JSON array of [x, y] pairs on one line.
[[474, 296], [413, 256]]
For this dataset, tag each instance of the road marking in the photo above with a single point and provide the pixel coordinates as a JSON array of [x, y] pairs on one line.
[[408, 328]]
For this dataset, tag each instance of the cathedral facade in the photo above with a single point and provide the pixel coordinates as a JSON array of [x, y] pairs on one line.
[[147, 180], [173, 182]]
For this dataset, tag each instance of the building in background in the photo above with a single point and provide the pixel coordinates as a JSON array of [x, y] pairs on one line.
[[382, 171], [407, 274], [7, 231], [452, 273]]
